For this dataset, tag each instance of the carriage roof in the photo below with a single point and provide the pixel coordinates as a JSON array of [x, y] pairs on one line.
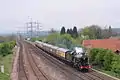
[[62, 49]]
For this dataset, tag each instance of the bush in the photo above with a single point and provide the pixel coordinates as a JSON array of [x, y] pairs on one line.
[[52, 38], [116, 64], [108, 60], [93, 53], [105, 59], [33, 39], [99, 58], [6, 48]]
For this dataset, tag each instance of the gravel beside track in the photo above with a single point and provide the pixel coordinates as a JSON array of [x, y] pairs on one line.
[[14, 72]]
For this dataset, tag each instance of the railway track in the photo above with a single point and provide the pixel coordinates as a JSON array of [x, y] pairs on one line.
[[40, 75], [22, 74], [66, 68]]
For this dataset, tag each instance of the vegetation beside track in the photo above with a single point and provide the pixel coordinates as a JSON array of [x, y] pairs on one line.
[[105, 61], [4, 76], [6, 59], [7, 62], [6, 48]]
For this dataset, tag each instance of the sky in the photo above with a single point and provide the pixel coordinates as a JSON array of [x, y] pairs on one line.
[[57, 13]]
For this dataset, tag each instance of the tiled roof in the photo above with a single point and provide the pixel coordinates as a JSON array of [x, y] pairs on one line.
[[112, 44]]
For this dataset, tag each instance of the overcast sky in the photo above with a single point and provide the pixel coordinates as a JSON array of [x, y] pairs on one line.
[[56, 13]]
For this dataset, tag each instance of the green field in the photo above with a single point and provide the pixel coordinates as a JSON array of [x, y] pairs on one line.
[[7, 61]]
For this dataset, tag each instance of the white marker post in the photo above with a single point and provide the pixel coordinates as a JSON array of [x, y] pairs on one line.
[[2, 68]]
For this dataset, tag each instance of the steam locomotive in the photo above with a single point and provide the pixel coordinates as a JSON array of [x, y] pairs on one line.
[[77, 57]]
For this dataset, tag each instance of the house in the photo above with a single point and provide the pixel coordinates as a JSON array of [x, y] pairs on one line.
[[112, 44]]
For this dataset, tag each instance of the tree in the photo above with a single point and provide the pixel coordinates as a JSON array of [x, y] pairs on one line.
[[52, 38], [96, 31], [67, 40], [110, 31], [52, 31], [71, 32], [93, 31], [107, 32], [62, 30], [75, 33], [68, 31]]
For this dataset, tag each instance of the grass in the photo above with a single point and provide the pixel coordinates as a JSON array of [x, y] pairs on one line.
[[7, 61], [108, 72], [112, 73], [4, 76]]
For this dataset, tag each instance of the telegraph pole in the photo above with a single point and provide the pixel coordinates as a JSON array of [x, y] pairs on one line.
[[33, 27], [38, 28]]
